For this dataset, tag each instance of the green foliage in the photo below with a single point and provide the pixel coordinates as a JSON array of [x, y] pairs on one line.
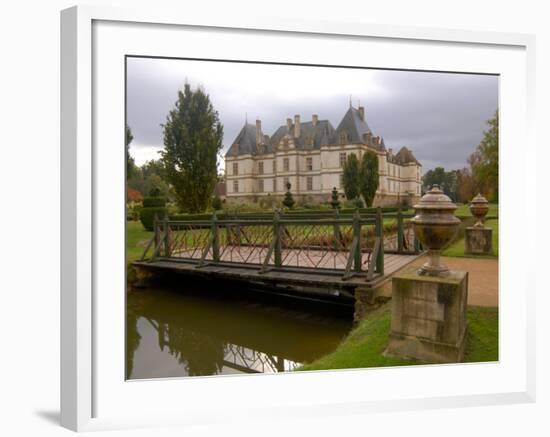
[[446, 180], [351, 177], [152, 206], [368, 177], [192, 139], [334, 200], [358, 203], [148, 177], [484, 161], [217, 203], [288, 201]]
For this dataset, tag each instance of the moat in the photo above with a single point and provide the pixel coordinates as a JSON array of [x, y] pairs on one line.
[[209, 329]]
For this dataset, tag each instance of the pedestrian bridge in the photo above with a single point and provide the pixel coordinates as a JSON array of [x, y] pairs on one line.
[[328, 253]]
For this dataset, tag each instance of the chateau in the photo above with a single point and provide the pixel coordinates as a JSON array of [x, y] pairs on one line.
[[311, 155]]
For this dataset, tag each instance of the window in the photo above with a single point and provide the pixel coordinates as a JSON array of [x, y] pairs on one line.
[[343, 137], [274, 185], [286, 164], [341, 180], [261, 167], [285, 183], [274, 166], [309, 164], [309, 183], [235, 168], [261, 186], [235, 186], [342, 159]]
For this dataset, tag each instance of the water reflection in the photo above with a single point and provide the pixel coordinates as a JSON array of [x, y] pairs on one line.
[[198, 332]]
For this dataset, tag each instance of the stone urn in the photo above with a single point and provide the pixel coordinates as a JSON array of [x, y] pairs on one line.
[[435, 225], [479, 206]]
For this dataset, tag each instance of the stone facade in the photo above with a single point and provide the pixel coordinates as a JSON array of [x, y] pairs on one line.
[[428, 320], [310, 156]]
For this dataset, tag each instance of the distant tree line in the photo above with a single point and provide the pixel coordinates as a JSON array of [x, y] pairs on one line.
[[479, 176]]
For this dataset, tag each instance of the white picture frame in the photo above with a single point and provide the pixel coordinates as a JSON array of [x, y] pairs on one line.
[[87, 402]]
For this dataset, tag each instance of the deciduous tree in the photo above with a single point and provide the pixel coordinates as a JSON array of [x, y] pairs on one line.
[[484, 161]]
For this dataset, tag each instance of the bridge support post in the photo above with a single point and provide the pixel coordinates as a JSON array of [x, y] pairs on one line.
[[157, 235], [357, 256], [215, 239], [167, 237], [277, 240], [336, 230], [399, 230], [380, 234]]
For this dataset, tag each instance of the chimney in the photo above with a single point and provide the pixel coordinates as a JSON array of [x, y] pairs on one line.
[[314, 119], [297, 126], [390, 151], [362, 112], [289, 123], [258, 132]]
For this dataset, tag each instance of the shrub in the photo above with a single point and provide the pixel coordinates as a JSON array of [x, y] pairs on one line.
[[152, 206], [217, 203]]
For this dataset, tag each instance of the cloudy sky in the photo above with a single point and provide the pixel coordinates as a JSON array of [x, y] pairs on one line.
[[440, 116]]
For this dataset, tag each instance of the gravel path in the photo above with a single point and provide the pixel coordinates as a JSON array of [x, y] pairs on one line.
[[483, 278]]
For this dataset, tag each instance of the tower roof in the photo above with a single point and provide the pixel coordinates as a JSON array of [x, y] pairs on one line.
[[245, 142], [405, 156], [355, 127]]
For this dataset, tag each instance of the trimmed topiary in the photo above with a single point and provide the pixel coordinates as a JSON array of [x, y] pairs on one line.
[[152, 206]]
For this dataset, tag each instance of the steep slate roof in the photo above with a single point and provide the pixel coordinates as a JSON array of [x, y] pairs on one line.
[[354, 127], [320, 133], [405, 156], [246, 141]]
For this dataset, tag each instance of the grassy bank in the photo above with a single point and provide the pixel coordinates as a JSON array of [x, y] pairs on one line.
[[136, 241], [457, 248], [366, 343]]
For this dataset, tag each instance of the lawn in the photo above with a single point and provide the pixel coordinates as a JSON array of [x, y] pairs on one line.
[[365, 344], [136, 240], [457, 248]]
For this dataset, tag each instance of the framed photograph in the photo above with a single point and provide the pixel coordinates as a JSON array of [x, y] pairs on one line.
[[252, 209]]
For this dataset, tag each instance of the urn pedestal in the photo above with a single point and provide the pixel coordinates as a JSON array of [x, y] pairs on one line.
[[478, 241], [428, 320]]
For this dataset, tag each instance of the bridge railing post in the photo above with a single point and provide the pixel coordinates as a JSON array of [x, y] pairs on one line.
[[399, 230], [156, 236], [357, 256], [336, 230], [380, 235], [167, 237], [277, 253], [215, 238]]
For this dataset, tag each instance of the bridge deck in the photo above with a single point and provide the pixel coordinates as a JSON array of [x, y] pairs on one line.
[[329, 277]]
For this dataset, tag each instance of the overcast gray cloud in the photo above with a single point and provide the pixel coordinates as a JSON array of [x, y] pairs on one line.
[[440, 116]]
